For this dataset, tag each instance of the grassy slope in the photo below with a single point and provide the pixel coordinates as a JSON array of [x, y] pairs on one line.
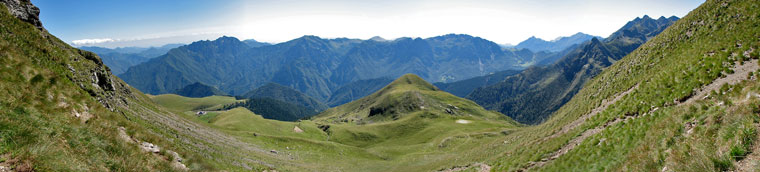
[[669, 67], [45, 82], [183, 104], [415, 125], [420, 140], [37, 125]]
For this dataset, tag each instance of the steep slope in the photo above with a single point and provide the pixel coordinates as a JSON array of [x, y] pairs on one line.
[[64, 111], [285, 94], [198, 90], [203, 61], [531, 96], [355, 90], [684, 101], [559, 44]]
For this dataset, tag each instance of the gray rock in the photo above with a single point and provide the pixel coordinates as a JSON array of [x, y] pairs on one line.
[[149, 147], [24, 10]]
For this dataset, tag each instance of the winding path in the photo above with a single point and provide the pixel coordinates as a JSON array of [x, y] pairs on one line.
[[741, 71]]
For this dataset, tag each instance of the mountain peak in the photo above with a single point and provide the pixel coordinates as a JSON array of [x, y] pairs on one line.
[[226, 38], [578, 34], [378, 39], [413, 81], [309, 37], [595, 40], [400, 99]]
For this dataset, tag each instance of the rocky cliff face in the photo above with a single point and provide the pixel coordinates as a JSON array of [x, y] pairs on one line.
[[24, 10], [96, 79]]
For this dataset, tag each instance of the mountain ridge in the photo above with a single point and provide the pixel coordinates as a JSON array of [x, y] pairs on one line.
[[556, 45], [533, 94], [318, 67]]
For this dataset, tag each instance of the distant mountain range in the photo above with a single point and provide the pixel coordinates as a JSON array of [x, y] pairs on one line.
[[254, 43], [533, 94], [318, 67], [559, 44], [464, 87], [121, 58]]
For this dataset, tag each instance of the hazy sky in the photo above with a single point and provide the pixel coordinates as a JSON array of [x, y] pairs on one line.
[[113, 23]]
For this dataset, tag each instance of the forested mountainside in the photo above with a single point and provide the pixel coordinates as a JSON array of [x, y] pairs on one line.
[[318, 67], [198, 90], [285, 94]]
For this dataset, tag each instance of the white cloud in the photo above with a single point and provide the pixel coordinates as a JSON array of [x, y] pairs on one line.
[[91, 41], [157, 39]]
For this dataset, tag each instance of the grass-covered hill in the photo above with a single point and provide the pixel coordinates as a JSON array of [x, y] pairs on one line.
[[406, 95], [185, 104], [449, 128], [684, 101]]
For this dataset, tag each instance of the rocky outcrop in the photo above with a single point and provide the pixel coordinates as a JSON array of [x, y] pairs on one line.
[[24, 10]]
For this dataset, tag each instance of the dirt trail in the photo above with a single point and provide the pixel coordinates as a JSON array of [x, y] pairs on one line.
[[482, 167], [215, 142], [577, 141], [740, 73], [565, 129]]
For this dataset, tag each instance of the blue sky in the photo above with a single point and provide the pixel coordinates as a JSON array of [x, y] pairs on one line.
[[112, 23]]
